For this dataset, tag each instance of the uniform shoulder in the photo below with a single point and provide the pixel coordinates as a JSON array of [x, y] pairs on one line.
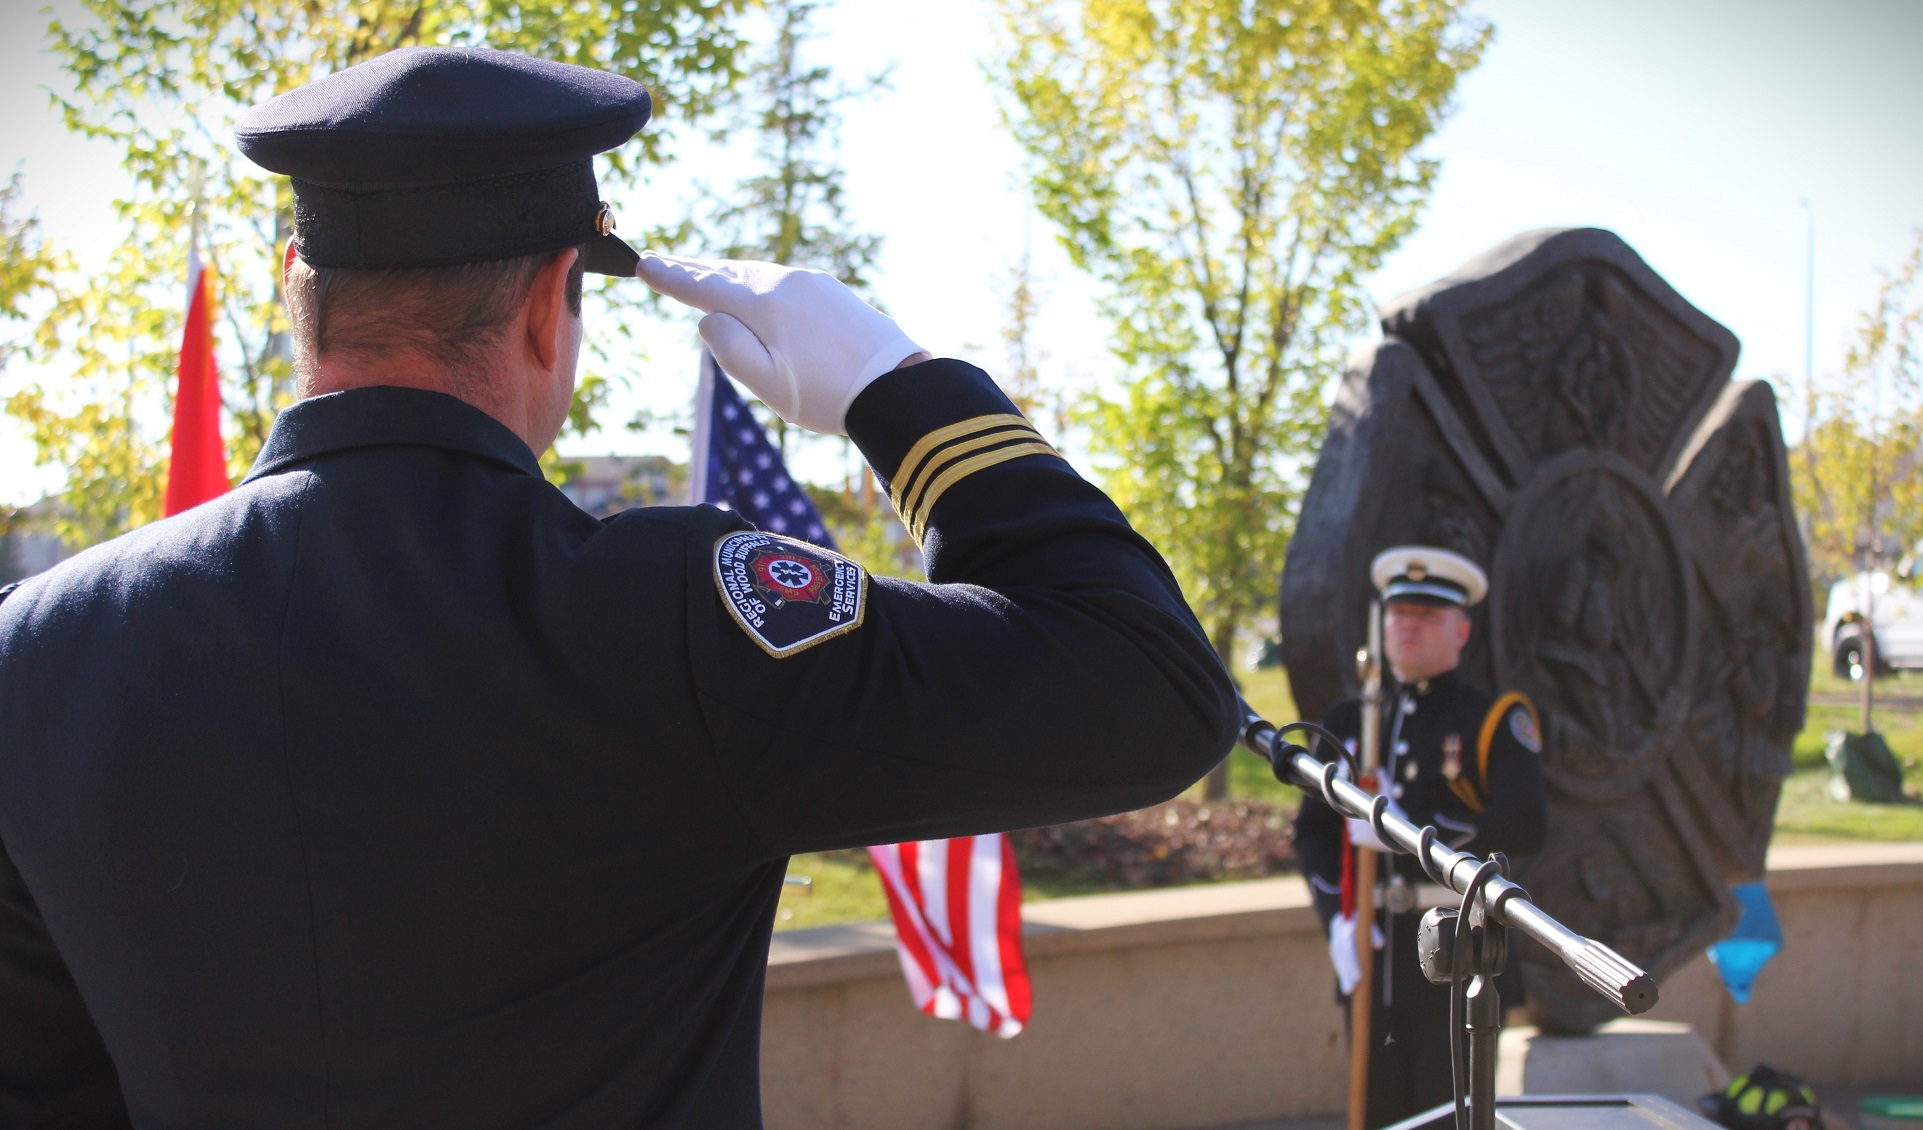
[[701, 516], [209, 545], [1511, 711], [191, 540], [1343, 714], [1470, 697], [656, 539]]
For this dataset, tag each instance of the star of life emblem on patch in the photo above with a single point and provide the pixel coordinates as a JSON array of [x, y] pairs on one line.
[[786, 594], [782, 576], [1523, 725]]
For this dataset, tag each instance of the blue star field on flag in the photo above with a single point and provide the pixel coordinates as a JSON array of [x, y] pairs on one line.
[[745, 472]]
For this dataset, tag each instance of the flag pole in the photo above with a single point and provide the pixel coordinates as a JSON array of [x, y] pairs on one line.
[[197, 184], [1369, 666], [703, 423]]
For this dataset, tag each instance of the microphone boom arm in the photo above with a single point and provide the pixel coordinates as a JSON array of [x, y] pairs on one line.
[[1611, 975]]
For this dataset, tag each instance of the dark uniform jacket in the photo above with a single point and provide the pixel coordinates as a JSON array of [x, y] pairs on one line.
[[1457, 757], [390, 789]]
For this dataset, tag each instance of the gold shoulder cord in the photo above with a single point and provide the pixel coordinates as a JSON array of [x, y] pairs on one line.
[[1486, 739]]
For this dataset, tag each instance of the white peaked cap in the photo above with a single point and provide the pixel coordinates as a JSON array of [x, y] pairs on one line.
[[1424, 572]]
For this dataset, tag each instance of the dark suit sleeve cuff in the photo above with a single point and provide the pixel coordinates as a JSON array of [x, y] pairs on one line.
[[928, 428]]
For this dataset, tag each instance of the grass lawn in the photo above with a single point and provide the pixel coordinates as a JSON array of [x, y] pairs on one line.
[[846, 888], [1268, 692], [1807, 813]]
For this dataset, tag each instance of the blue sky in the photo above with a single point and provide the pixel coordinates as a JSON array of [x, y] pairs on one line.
[[1692, 128]]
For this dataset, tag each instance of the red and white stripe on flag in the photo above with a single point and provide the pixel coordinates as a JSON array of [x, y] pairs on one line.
[[957, 906]]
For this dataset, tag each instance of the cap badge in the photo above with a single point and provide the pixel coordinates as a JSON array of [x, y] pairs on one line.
[[1417, 571], [604, 220]]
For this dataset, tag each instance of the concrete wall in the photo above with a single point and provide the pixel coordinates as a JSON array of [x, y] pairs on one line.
[[1214, 1005], [1843, 1002]]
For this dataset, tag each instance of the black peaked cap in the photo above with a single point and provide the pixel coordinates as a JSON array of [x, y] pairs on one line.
[[434, 156]]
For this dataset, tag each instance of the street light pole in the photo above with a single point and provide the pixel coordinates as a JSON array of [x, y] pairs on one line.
[[1809, 355], [1809, 308]]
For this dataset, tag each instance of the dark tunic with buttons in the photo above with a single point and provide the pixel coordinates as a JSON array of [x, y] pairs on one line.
[[1468, 762], [390, 789]]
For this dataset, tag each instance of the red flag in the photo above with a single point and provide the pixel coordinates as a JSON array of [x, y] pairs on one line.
[[197, 464], [957, 906]]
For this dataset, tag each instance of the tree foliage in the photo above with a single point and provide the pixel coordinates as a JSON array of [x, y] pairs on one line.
[[27, 271], [1857, 475], [1230, 171], [1024, 357], [792, 208], [161, 81], [27, 267]]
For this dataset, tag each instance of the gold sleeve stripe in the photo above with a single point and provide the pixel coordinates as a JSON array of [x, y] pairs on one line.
[[940, 466], [962, 470], [911, 493], [910, 490], [911, 463]]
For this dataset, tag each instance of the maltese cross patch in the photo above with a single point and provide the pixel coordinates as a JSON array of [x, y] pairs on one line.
[[786, 594]]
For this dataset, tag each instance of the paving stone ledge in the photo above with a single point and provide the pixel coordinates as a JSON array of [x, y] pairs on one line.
[[1132, 919]]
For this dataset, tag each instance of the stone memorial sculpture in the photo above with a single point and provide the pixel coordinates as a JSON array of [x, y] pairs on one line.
[[1557, 412]]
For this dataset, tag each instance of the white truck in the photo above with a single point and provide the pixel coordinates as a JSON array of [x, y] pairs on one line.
[[1895, 620]]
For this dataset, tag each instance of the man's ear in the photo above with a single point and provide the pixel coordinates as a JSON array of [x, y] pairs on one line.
[[546, 313], [1463, 626]]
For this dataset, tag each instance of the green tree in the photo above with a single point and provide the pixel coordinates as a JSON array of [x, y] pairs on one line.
[[162, 80], [1857, 474], [1023, 355], [792, 208], [27, 271], [1230, 172], [27, 267]]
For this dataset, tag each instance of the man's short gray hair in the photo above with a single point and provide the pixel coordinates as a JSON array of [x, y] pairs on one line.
[[456, 315]]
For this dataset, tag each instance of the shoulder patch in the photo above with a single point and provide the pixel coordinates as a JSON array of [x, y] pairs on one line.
[[786, 594], [1522, 723]]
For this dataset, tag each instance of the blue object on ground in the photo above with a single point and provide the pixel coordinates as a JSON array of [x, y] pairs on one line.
[[1757, 938]]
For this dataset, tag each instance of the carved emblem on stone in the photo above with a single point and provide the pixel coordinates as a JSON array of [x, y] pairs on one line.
[[1558, 413]]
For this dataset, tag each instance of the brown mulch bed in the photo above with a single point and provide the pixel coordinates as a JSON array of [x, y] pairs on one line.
[[1183, 841]]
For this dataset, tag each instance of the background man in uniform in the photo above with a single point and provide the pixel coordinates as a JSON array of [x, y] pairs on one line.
[[391, 789], [1453, 755]]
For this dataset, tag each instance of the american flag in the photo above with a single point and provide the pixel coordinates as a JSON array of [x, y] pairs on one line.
[[736, 467], [957, 904]]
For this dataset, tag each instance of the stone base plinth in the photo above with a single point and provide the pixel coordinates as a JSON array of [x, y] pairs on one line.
[[1648, 1057]]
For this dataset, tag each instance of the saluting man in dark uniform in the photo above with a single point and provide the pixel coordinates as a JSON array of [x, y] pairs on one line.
[[1453, 755], [390, 789]]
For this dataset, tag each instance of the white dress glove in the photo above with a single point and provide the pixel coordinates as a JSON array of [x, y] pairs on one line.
[[1342, 955], [799, 339]]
